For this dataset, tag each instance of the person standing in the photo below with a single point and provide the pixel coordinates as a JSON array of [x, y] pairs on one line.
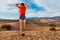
[[22, 19]]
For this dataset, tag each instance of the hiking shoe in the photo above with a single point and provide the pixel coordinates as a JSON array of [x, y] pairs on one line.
[[23, 34]]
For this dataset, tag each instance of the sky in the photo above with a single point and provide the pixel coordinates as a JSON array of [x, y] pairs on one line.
[[38, 8]]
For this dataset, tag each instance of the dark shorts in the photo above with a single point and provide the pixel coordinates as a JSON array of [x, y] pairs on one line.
[[22, 17]]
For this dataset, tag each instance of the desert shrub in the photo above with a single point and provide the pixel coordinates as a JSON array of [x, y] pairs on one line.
[[5, 26], [52, 25], [52, 29]]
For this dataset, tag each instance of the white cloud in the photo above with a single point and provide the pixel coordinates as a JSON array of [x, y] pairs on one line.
[[43, 14], [12, 18], [53, 4], [12, 1], [30, 11], [3, 1], [3, 7], [52, 7], [4, 4], [39, 14], [56, 14]]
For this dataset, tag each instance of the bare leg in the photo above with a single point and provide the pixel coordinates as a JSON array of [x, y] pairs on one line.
[[24, 25], [20, 21]]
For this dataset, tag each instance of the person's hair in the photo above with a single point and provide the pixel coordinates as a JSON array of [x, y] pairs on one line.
[[22, 3]]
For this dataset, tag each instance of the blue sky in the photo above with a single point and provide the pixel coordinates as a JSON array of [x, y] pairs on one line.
[[38, 8]]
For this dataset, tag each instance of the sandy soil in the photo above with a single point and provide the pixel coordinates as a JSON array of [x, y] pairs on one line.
[[35, 30]]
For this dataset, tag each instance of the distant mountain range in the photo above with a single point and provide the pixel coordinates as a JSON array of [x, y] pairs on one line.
[[37, 18]]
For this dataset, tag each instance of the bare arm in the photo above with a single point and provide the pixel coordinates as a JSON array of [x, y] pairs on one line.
[[17, 5], [27, 5]]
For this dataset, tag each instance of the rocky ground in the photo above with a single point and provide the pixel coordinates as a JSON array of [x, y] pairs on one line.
[[35, 30], [30, 35]]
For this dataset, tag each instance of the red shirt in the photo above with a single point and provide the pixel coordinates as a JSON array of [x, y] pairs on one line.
[[22, 10]]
